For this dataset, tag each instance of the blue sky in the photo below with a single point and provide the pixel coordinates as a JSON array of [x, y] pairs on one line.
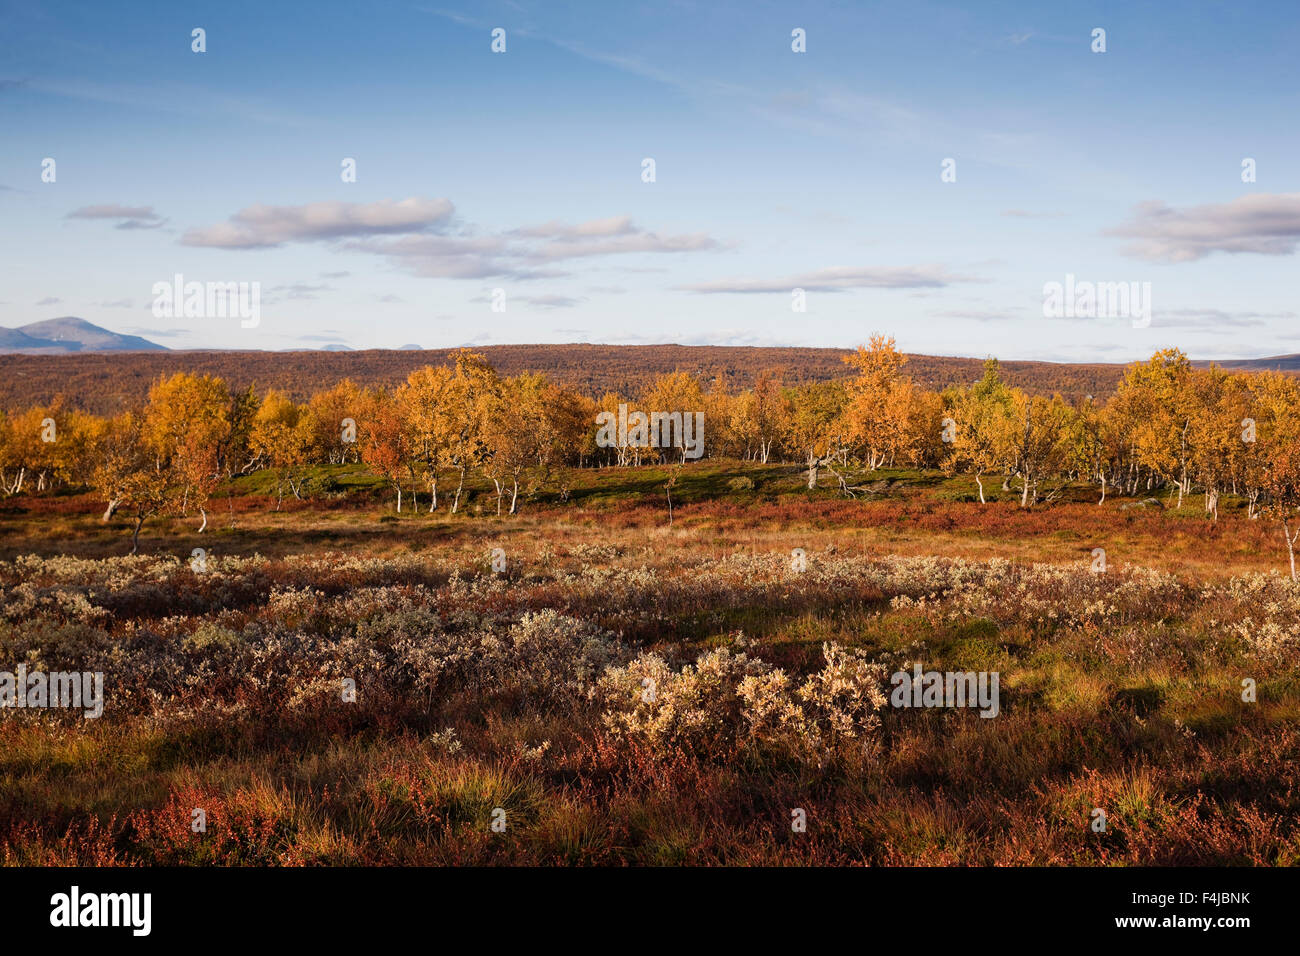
[[521, 171]]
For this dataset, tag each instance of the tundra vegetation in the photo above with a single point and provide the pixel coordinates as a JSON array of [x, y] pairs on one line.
[[343, 674]]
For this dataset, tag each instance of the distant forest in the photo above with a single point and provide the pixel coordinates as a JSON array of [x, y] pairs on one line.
[[107, 382], [1167, 424]]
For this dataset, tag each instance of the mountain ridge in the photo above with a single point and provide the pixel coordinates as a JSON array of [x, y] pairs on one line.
[[70, 334]]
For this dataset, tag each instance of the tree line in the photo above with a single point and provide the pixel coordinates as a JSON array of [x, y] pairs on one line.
[[1167, 427]]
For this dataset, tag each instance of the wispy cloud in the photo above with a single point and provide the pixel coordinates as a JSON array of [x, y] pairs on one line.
[[171, 97], [1217, 319], [448, 257], [158, 333], [551, 301], [419, 236], [610, 226], [296, 290], [978, 315], [725, 336], [838, 279], [127, 217], [527, 252], [604, 237]]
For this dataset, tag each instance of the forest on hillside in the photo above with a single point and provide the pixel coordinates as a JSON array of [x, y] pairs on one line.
[[105, 383]]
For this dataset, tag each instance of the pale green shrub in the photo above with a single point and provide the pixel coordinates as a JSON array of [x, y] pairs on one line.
[[724, 702]]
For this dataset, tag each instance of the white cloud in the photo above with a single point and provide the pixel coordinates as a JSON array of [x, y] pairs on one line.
[[262, 226], [1263, 223], [415, 236]]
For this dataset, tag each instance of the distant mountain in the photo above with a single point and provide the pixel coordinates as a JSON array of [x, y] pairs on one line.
[[1278, 363], [71, 334], [411, 348], [16, 340], [336, 347]]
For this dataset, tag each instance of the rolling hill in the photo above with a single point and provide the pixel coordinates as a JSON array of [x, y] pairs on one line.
[[82, 363], [103, 383]]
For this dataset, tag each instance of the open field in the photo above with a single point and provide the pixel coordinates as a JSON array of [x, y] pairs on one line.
[[913, 513], [524, 690]]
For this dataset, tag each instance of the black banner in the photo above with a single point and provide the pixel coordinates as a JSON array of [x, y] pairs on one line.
[[336, 906]]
